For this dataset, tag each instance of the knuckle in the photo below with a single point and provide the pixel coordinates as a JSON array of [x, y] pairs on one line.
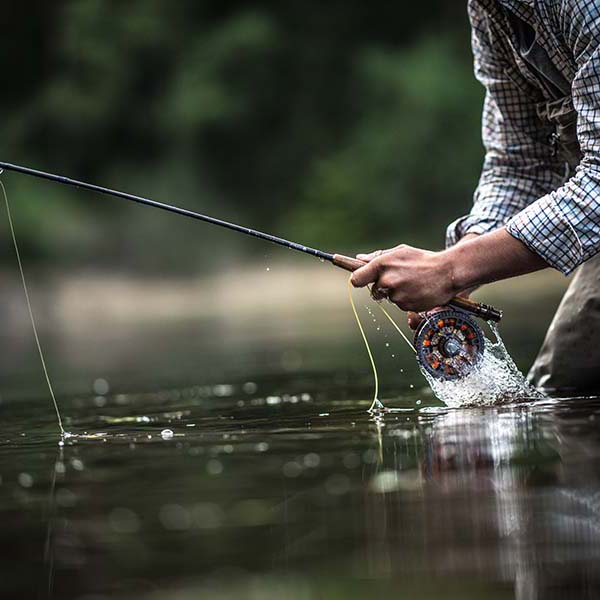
[[386, 281], [378, 262]]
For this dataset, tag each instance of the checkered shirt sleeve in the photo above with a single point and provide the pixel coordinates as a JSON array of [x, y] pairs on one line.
[[522, 186]]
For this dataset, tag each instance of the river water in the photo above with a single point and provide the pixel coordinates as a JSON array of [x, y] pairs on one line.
[[242, 463]]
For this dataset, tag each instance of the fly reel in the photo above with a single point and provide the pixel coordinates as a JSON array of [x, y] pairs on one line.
[[449, 344]]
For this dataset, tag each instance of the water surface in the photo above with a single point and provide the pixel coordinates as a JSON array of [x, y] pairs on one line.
[[233, 457], [299, 494]]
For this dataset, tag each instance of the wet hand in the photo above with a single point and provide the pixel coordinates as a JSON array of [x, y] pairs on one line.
[[414, 279], [414, 319], [418, 280]]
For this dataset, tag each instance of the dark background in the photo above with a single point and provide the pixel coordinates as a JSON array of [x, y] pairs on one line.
[[345, 125]]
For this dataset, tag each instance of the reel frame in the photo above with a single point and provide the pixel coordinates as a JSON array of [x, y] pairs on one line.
[[449, 344]]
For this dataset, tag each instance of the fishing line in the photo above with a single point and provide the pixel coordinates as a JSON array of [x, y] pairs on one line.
[[35, 333], [376, 403], [385, 312]]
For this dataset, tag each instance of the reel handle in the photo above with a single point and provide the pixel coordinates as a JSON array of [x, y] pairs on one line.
[[483, 311]]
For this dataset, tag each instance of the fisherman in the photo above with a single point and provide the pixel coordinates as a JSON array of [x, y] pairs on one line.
[[538, 200]]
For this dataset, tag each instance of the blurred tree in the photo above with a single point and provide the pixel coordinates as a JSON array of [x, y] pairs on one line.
[[346, 125], [410, 160]]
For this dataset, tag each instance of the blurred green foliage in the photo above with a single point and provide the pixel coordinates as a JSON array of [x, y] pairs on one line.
[[344, 125]]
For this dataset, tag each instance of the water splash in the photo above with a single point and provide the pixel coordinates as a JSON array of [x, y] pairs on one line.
[[496, 380]]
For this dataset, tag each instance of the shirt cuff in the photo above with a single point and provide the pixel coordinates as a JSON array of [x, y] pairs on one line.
[[469, 224], [545, 230]]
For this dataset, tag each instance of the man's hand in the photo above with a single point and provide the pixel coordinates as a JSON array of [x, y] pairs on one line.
[[419, 280], [413, 279], [413, 318]]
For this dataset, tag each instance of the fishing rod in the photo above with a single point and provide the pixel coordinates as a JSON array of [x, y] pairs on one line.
[[446, 345]]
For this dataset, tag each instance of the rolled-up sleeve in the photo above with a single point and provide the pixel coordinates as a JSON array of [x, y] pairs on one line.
[[518, 167], [563, 227]]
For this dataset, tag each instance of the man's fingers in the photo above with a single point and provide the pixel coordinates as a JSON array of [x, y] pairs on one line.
[[369, 257], [378, 294], [365, 275], [372, 255], [414, 319]]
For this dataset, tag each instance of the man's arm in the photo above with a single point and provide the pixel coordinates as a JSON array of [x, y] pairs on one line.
[[420, 280], [563, 227], [519, 167]]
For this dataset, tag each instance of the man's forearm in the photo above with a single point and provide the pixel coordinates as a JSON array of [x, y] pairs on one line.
[[490, 257], [418, 280]]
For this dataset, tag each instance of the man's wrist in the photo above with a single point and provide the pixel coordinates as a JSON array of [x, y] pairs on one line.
[[489, 257], [458, 267]]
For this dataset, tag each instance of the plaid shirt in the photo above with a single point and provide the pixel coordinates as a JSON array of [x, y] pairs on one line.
[[523, 185]]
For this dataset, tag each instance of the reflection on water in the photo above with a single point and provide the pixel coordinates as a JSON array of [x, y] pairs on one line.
[[232, 456], [261, 493]]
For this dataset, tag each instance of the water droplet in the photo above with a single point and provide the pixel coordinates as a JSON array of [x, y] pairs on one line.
[[312, 459], [223, 390], [25, 480], [214, 467], [101, 387], [77, 464]]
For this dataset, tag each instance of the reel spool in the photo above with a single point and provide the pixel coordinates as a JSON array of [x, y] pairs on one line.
[[449, 344]]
